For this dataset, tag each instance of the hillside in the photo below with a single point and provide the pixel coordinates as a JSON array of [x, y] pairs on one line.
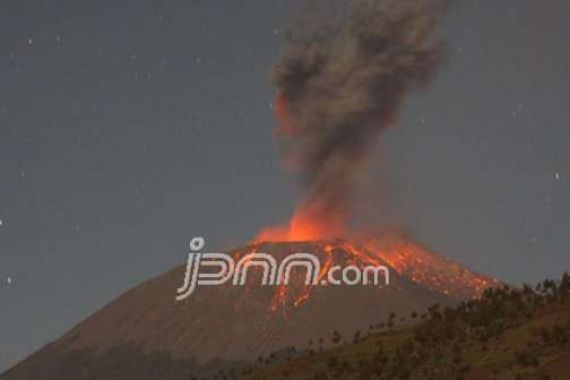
[[146, 334], [514, 334]]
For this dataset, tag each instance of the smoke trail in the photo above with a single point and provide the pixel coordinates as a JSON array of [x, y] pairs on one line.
[[340, 86]]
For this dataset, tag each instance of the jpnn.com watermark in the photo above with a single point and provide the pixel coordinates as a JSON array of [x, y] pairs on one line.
[[221, 268]]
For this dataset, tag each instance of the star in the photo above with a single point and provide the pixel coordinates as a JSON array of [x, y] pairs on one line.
[[557, 176]]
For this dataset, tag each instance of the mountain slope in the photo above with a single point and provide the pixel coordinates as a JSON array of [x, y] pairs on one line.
[[146, 334], [507, 335]]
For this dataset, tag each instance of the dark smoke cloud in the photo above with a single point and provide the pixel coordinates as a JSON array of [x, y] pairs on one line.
[[343, 83]]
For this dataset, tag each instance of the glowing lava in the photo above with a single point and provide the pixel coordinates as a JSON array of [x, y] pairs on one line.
[[304, 226], [408, 259]]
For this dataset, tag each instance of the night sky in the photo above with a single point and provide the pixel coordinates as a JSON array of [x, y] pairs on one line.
[[127, 127]]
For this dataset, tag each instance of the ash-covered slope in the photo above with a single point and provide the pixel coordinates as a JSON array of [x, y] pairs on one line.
[[146, 334]]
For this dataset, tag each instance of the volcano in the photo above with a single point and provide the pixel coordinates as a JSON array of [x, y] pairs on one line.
[[146, 334]]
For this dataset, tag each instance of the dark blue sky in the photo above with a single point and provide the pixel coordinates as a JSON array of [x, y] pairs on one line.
[[126, 127]]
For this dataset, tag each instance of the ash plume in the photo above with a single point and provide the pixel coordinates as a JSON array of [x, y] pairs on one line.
[[339, 85]]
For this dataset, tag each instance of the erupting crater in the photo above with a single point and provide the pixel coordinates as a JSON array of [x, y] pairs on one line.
[[404, 259]]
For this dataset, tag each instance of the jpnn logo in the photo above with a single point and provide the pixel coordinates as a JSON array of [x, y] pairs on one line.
[[221, 268]]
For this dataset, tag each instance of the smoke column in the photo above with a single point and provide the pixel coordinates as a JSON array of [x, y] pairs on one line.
[[340, 85]]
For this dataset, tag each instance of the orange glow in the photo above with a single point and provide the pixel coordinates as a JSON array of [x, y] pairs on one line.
[[280, 109], [404, 257], [324, 231], [302, 227]]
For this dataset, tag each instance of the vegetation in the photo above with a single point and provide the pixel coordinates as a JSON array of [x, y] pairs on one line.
[[509, 333]]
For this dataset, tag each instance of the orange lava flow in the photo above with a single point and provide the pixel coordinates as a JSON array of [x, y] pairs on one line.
[[408, 259], [422, 266]]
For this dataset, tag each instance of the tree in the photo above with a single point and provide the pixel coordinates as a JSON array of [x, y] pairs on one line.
[[336, 337], [332, 362]]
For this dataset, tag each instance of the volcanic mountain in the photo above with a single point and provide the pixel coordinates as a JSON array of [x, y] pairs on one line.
[[146, 334]]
